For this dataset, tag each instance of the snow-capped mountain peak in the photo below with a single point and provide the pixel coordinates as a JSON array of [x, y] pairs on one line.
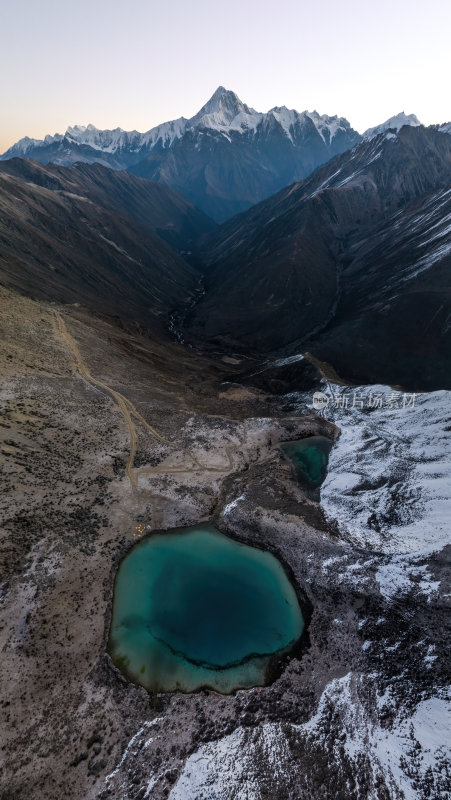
[[326, 126], [222, 100], [23, 146], [220, 111], [286, 118], [393, 123]]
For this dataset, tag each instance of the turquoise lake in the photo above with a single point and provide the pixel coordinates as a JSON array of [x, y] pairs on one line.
[[310, 457], [192, 608]]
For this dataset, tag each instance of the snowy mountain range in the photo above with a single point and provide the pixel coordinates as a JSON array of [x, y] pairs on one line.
[[224, 112], [224, 159]]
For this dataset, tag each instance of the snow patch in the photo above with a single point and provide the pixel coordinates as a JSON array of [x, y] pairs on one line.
[[230, 506], [400, 575], [398, 756], [389, 476]]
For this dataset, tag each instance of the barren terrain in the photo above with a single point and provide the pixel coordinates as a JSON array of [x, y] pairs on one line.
[[107, 434]]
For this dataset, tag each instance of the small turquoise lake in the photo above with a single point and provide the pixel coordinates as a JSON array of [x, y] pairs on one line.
[[193, 608], [309, 457]]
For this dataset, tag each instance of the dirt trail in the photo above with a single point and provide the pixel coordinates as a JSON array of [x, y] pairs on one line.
[[62, 332], [128, 410]]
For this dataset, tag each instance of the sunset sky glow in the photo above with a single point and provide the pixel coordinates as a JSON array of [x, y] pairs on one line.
[[137, 64]]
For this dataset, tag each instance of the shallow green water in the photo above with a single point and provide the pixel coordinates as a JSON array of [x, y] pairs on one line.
[[194, 608], [310, 457]]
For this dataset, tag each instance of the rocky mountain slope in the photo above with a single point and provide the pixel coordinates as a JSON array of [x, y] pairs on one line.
[[352, 263], [89, 235]]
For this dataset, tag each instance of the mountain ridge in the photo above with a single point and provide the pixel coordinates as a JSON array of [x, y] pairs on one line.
[[108, 240], [110, 140], [299, 271], [224, 159]]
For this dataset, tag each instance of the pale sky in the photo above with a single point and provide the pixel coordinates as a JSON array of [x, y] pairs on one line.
[[135, 64]]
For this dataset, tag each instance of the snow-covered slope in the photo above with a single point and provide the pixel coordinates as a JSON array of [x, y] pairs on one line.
[[390, 761], [225, 110], [389, 478], [105, 141], [393, 123], [23, 147]]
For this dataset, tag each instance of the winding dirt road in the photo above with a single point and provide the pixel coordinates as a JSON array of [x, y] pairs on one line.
[[128, 411]]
